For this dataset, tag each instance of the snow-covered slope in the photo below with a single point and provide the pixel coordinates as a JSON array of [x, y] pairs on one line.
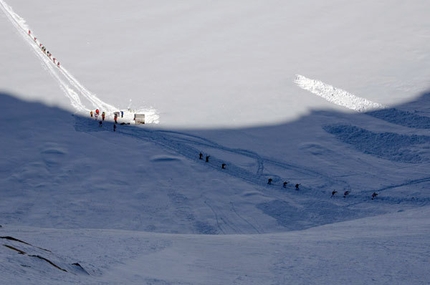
[[223, 64], [82, 203]]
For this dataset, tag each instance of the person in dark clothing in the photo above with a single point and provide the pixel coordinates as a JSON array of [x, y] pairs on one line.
[[374, 195], [285, 184], [297, 186], [223, 166], [333, 193], [200, 155], [345, 194], [207, 158], [269, 181]]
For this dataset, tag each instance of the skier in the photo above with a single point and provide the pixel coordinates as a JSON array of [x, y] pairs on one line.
[[223, 166], [285, 184], [200, 155], [91, 113], [269, 181], [333, 193], [207, 158], [103, 116], [374, 195], [297, 186], [345, 194], [115, 118]]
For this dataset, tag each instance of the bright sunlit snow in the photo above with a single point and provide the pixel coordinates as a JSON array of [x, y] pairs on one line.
[[284, 142]]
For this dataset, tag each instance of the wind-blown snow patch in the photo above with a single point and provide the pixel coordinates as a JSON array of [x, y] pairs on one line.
[[391, 146], [337, 96]]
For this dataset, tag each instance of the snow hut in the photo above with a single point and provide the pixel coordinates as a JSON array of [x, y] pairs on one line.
[[139, 118]]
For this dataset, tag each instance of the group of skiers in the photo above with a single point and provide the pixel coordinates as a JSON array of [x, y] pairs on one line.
[[96, 115], [285, 183], [223, 165], [269, 181], [45, 51], [346, 194]]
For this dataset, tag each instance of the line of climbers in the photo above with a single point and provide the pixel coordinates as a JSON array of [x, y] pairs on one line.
[[269, 181], [285, 183], [346, 194], [43, 48]]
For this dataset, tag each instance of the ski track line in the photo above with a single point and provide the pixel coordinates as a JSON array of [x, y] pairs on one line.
[[261, 161], [19, 24], [216, 217], [211, 144], [22, 29], [411, 182], [233, 209], [260, 180], [335, 95], [183, 147]]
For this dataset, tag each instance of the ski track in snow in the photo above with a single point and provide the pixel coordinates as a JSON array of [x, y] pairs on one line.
[[189, 146], [60, 73], [335, 95]]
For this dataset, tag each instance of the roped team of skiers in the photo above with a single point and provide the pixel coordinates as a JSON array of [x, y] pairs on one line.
[[43, 48], [285, 183]]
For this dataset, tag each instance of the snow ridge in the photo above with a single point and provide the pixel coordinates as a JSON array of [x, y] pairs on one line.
[[337, 96]]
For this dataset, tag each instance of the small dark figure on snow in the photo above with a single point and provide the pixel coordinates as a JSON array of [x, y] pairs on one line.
[[345, 194], [91, 113], [100, 124], [223, 166], [285, 184], [115, 118], [114, 127], [297, 186], [200, 155], [333, 193], [103, 116], [269, 181], [374, 195], [207, 158]]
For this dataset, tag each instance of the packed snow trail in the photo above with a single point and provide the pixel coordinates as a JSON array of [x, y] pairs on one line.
[[189, 146], [22, 30], [335, 95], [53, 66]]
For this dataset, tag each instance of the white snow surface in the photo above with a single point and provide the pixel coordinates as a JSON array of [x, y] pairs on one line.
[[329, 95]]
